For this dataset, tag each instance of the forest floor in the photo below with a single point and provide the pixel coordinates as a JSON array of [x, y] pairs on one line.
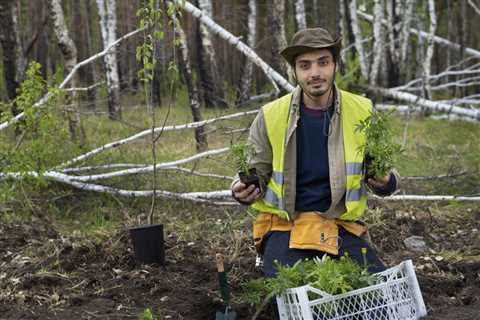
[[48, 275]]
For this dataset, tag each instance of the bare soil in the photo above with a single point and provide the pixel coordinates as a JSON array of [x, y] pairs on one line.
[[45, 275]]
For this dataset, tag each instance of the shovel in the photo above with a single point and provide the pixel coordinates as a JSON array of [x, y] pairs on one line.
[[227, 313]]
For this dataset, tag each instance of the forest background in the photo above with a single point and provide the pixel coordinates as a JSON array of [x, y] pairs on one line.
[[77, 131]]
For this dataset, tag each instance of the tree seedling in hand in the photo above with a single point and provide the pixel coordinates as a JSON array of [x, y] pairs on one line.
[[381, 152], [241, 153]]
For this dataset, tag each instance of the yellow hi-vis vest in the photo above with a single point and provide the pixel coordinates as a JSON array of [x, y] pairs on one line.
[[276, 114]]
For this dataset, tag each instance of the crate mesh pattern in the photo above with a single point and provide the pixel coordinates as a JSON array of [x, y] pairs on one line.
[[395, 296]]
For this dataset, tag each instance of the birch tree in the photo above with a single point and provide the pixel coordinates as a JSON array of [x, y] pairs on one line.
[[276, 18], [273, 76], [108, 26], [69, 52], [342, 28], [405, 33], [247, 76], [300, 19], [427, 64], [378, 41], [14, 61], [186, 69], [357, 33], [316, 9], [83, 38], [394, 11], [212, 83], [475, 7]]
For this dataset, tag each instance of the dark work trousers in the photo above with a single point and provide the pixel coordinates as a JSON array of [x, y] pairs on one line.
[[275, 247]]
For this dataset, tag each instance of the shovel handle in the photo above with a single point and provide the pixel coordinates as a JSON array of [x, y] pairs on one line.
[[222, 279], [219, 258]]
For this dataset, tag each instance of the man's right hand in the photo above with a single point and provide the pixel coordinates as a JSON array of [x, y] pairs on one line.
[[243, 194]]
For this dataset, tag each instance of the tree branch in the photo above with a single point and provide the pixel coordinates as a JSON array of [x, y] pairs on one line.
[[45, 98], [141, 134], [273, 75], [423, 34]]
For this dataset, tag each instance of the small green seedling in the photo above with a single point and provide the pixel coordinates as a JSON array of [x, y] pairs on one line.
[[333, 276], [241, 153], [148, 315], [381, 152]]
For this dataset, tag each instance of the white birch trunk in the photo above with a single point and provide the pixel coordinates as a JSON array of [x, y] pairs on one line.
[[200, 133], [420, 51], [300, 17], [108, 27], [427, 198], [69, 77], [217, 197], [273, 75], [144, 133], [343, 32], [425, 35], [434, 106], [277, 20], [427, 65], [215, 94], [318, 19], [474, 6], [404, 36], [14, 61], [150, 168], [247, 75], [357, 33], [392, 29], [378, 41], [69, 52]]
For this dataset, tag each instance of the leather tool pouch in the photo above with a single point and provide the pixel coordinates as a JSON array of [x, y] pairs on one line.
[[312, 231]]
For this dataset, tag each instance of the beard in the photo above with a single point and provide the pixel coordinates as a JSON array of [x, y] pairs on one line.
[[318, 89]]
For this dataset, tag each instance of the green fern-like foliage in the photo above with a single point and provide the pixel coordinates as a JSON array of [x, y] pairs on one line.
[[241, 153], [380, 149], [333, 276]]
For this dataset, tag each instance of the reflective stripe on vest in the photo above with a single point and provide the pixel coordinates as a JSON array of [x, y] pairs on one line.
[[354, 109], [276, 114], [276, 122]]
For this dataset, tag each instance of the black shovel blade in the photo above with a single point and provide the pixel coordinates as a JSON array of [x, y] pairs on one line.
[[227, 315]]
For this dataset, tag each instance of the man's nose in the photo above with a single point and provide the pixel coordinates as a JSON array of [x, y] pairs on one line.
[[315, 70]]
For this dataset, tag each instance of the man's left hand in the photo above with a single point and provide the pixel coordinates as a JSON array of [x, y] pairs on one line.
[[379, 182]]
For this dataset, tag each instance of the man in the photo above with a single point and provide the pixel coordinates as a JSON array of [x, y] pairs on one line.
[[307, 154]]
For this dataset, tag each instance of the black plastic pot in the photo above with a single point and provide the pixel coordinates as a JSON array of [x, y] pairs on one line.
[[250, 178], [148, 244]]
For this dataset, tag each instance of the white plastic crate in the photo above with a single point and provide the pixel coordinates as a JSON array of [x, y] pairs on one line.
[[396, 296]]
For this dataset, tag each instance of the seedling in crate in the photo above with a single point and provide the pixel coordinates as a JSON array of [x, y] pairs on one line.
[[333, 276], [241, 153], [381, 152]]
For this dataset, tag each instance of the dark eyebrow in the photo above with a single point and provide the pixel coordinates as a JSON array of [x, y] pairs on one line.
[[304, 61], [325, 57]]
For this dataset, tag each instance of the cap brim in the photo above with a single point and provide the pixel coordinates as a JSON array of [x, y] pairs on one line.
[[289, 53]]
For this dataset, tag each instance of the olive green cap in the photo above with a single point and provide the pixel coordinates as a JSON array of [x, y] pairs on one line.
[[310, 39]]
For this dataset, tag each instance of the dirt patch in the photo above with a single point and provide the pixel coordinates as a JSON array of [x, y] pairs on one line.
[[44, 275]]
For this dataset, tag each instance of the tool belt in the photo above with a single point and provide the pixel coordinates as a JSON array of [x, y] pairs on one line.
[[309, 230]]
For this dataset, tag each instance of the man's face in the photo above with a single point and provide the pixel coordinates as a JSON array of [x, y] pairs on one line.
[[315, 71]]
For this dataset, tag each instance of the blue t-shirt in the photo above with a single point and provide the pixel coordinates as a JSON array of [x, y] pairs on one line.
[[313, 178]]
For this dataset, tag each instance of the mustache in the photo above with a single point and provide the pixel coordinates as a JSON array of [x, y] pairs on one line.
[[316, 80]]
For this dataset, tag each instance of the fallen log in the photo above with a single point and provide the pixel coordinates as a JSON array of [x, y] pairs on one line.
[[423, 34], [419, 101], [69, 77], [237, 43]]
